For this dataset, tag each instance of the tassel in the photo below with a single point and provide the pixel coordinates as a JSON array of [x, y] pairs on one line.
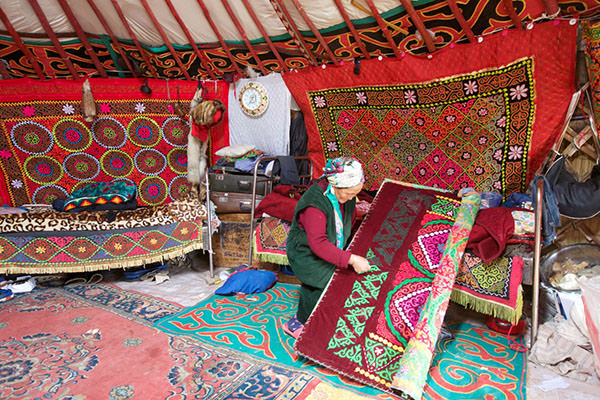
[[88, 104]]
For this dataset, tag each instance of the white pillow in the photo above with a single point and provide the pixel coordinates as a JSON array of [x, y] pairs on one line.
[[236, 150]]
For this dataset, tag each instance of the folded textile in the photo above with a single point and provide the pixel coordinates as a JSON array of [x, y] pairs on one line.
[[493, 227]]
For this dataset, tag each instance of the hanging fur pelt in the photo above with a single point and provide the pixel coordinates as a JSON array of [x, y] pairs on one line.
[[88, 105], [196, 149]]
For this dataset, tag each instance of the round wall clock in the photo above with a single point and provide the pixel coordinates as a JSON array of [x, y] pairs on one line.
[[253, 99]]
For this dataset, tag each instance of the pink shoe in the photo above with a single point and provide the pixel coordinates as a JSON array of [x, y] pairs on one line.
[[293, 327]]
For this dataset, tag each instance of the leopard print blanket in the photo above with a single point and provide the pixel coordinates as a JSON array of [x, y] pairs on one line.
[[51, 221]]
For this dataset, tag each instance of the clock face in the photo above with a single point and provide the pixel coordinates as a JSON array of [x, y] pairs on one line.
[[253, 99]]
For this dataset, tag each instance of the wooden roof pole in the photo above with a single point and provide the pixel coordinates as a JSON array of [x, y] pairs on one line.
[[112, 36], [508, 4], [364, 9], [461, 20], [42, 18], [412, 13], [314, 30], [383, 28], [353, 30], [219, 37], [204, 61], [551, 7], [165, 39], [240, 29], [79, 31], [290, 26], [21, 45], [137, 43], [263, 32]]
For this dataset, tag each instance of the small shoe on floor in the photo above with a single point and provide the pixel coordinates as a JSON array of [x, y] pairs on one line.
[[24, 285], [293, 327], [6, 294]]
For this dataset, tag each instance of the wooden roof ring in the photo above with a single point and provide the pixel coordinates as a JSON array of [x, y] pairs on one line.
[[84, 40], [204, 60], [21, 45], [263, 32], [134, 38], [242, 32], [219, 37], [165, 39], [315, 31], [353, 30], [44, 21]]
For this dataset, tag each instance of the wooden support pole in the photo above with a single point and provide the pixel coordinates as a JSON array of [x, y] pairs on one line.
[[166, 40], [134, 38], [86, 43], [510, 9], [461, 20], [115, 42], [289, 24], [219, 37], [46, 25], [240, 29], [263, 32], [416, 19], [204, 61], [383, 28], [21, 45], [353, 30], [315, 31]]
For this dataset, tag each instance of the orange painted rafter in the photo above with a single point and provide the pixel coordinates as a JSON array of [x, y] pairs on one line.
[[353, 30], [263, 32], [84, 40], [315, 31], [240, 29], [165, 39], [461, 20], [108, 30], [134, 38], [383, 28], [46, 25], [416, 19], [508, 5], [204, 61], [21, 45], [292, 29], [219, 37]]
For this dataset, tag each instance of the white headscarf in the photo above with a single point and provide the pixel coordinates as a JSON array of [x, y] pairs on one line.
[[343, 172]]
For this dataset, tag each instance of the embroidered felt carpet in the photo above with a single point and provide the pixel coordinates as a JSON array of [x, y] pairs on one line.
[[98, 342], [252, 324], [270, 237], [482, 115], [492, 288], [362, 324], [48, 150]]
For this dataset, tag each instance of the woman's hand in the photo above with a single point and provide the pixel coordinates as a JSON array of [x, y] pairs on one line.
[[360, 264]]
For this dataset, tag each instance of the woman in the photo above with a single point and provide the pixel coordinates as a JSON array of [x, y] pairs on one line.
[[319, 233]]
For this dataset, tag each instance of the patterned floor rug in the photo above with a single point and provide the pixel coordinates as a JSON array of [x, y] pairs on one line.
[[97, 341]]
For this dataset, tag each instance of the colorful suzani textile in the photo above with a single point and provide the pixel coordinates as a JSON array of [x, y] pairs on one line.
[[492, 288], [270, 237], [363, 323], [47, 150], [479, 115]]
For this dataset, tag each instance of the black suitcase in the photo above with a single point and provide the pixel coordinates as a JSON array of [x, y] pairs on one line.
[[236, 183], [227, 202]]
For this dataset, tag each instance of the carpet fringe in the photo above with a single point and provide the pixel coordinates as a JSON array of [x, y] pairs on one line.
[[489, 307]]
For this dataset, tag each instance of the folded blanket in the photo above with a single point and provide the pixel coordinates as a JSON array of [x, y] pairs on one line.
[[493, 227]]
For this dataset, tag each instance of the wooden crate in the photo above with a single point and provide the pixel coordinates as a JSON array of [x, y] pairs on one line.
[[232, 242]]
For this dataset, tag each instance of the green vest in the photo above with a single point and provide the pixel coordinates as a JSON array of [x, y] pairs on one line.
[[310, 269]]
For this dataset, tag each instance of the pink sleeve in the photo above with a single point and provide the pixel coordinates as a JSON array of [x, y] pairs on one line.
[[314, 222]]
